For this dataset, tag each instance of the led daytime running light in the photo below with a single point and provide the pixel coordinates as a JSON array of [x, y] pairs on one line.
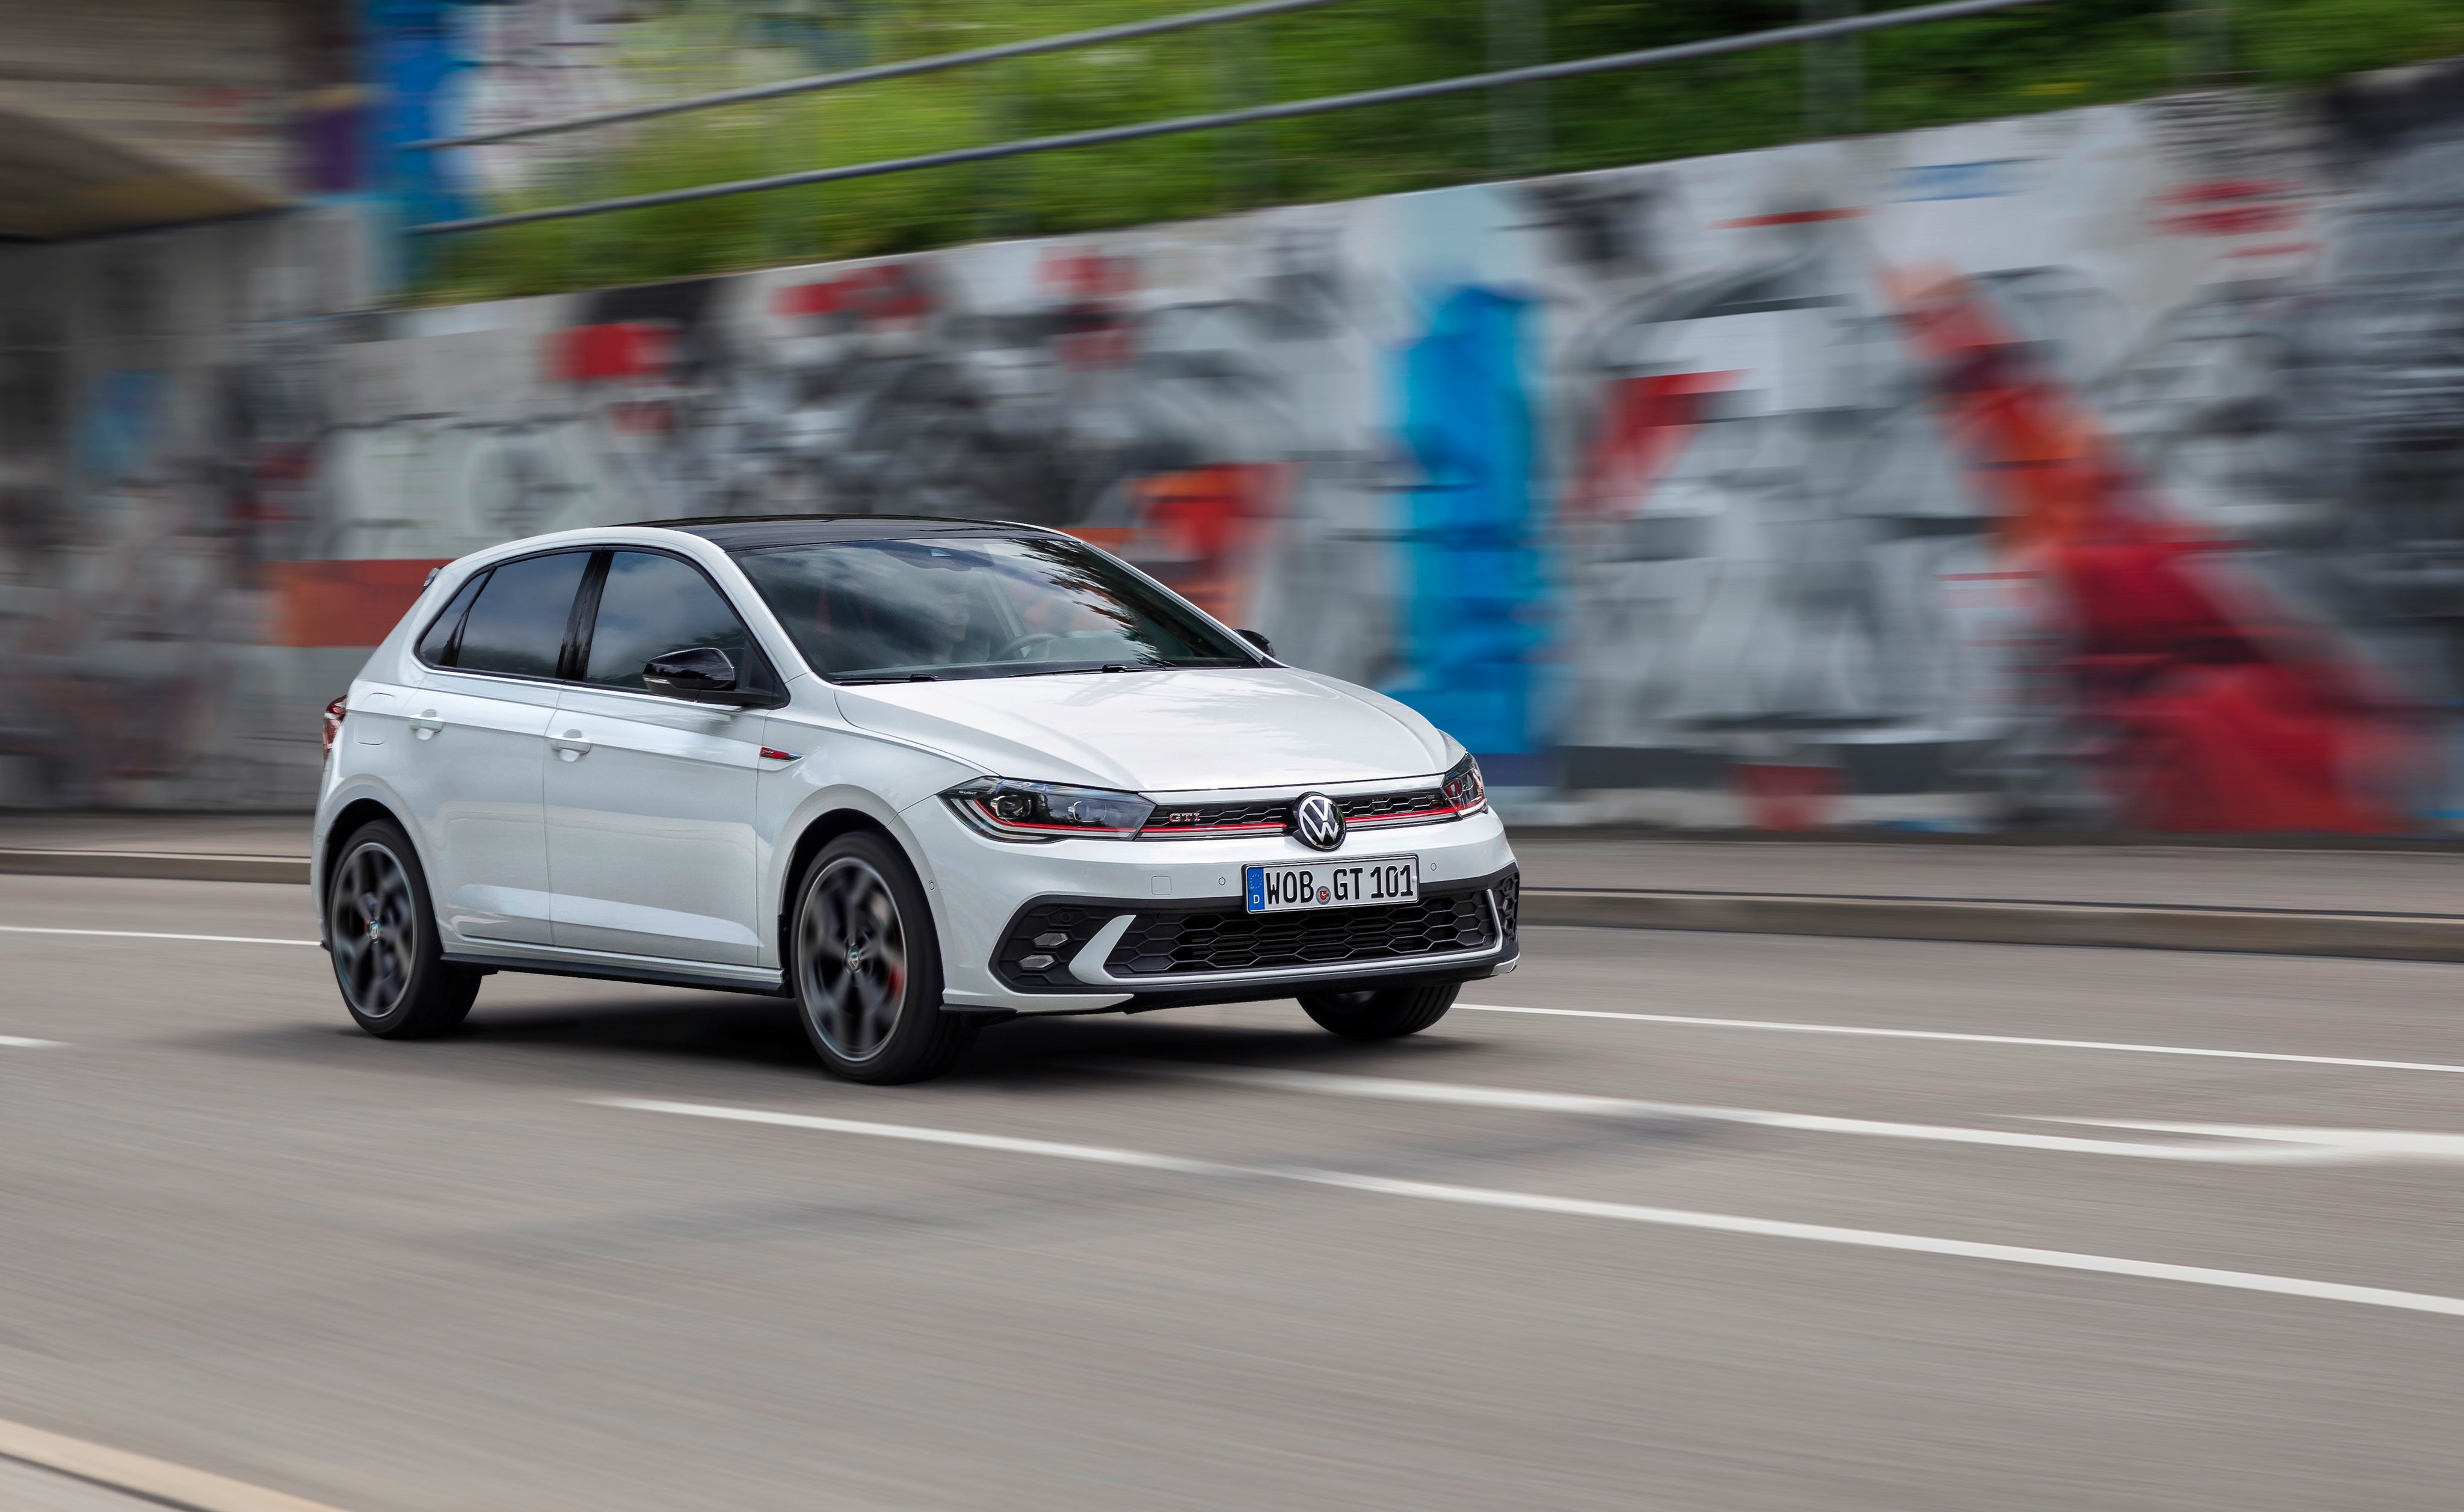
[[1466, 792]]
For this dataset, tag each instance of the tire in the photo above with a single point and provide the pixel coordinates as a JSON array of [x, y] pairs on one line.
[[864, 966], [1387, 1014], [387, 958]]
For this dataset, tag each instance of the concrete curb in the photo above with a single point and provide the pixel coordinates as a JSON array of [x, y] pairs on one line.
[[2266, 931], [2389, 937], [165, 864]]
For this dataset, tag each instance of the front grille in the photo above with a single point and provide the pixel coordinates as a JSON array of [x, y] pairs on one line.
[[1387, 805], [1163, 944], [1194, 820], [1198, 821]]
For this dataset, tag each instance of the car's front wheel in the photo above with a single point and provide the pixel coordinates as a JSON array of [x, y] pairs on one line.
[[387, 958], [865, 967], [1383, 1013]]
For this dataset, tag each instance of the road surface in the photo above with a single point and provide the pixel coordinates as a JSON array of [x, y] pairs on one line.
[[1679, 1242]]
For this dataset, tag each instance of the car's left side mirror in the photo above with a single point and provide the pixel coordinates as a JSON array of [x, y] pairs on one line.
[[1258, 639], [701, 675]]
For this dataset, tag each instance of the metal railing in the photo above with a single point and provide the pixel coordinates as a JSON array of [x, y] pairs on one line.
[[1781, 36]]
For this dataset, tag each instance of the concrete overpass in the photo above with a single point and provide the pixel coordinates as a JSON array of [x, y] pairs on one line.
[[124, 113]]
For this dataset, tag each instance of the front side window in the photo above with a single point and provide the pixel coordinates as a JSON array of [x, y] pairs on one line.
[[960, 608], [517, 625], [650, 605]]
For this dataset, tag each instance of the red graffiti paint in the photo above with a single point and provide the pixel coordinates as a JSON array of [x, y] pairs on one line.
[[1645, 424], [2225, 710], [619, 349]]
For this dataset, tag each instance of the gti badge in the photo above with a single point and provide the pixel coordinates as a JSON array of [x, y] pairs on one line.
[[1317, 821]]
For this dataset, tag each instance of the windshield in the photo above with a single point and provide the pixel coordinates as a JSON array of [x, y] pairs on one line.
[[977, 607]]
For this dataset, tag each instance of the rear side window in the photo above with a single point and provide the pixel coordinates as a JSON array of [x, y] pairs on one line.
[[516, 624], [652, 605], [436, 647]]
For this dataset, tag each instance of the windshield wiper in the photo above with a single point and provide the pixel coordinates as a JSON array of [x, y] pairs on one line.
[[1081, 669]]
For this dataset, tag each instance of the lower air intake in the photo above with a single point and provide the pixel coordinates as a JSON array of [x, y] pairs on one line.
[[1165, 945]]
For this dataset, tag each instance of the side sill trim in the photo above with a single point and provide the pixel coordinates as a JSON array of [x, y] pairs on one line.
[[761, 984]]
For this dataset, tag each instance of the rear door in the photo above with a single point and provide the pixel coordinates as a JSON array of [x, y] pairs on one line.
[[650, 799], [473, 744]]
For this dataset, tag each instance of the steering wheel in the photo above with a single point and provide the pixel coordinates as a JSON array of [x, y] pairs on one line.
[[1017, 648]]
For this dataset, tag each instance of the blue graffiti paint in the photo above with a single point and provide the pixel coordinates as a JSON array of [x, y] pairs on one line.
[[409, 52], [119, 423], [1471, 576], [1981, 180]]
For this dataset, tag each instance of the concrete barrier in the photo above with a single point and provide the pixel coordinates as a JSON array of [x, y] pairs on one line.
[[2392, 937], [173, 865]]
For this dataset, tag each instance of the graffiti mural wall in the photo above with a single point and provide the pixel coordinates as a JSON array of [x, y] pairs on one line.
[[2102, 469]]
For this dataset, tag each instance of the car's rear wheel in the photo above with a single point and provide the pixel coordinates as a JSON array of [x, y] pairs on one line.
[[1381, 1014], [865, 967], [387, 958]]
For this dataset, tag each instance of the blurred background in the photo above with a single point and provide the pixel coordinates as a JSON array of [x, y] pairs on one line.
[[2044, 419], [2018, 421]]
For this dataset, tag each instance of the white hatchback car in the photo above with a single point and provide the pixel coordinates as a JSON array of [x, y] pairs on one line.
[[919, 776]]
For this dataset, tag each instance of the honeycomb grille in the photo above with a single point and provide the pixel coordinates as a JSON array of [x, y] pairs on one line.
[[1181, 943], [1212, 815], [1032, 937], [1381, 805]]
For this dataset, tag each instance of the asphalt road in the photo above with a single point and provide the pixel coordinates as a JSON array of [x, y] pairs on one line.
[[1114, 1263]]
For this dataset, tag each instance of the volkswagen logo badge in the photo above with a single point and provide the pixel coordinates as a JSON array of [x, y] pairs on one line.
[[1317, 821]]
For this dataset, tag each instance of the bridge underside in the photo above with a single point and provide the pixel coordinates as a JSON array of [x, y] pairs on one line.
[[57, 180]]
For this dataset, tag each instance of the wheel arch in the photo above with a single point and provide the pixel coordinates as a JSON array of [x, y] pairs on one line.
[[348, 821], [819, 832]]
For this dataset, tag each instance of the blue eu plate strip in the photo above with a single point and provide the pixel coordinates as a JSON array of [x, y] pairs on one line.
[[1256, 878]]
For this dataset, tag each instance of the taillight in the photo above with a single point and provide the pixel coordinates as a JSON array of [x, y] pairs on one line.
[[334, 713]]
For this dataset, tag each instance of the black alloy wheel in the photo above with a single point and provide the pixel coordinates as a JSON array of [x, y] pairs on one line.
[[865, 967], [386, 956]]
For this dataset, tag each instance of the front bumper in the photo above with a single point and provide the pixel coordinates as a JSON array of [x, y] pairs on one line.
[[994, 899]]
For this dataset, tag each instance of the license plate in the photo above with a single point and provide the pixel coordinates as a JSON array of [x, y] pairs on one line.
[[1292, 886]]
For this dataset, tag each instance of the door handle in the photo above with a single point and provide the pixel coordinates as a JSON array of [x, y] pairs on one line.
[[426, 724], [571, 746]]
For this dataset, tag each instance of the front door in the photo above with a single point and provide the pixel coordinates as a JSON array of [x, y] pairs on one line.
[[650, 799]]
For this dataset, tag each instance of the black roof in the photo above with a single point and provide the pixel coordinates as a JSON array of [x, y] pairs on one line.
[[754, 532]]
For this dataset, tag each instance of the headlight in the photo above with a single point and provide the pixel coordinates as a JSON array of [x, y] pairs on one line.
[[1010, 810], [1465, 793]]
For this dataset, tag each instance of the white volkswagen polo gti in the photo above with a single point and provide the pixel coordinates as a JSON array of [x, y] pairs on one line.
[[919, 776]]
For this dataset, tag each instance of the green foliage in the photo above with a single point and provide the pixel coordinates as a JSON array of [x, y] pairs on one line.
[[2312, 42], [2061, 54]]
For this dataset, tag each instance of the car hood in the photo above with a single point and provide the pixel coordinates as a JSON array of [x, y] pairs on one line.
[[1163, 732]]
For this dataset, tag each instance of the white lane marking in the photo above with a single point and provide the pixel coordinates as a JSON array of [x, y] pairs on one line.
[[1577, 1207], [139, 934], [2280, 1147], [2362, 1144], [1976, 1039], [19, 1042], [155, 1481]]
